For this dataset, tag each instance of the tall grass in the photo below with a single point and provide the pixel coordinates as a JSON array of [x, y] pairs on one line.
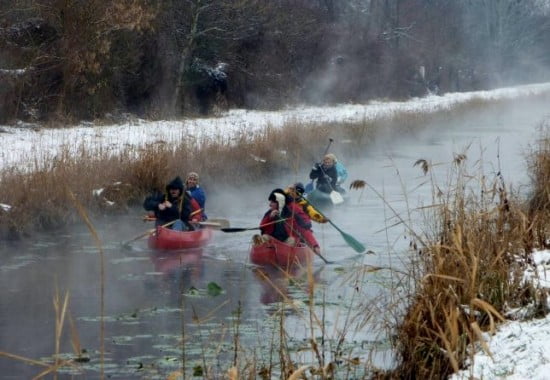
[[468, 274], [539, 201], [39, 202]]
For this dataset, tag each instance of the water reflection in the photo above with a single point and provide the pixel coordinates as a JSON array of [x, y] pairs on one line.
[[169, 262], [180, 270], [279, 285]]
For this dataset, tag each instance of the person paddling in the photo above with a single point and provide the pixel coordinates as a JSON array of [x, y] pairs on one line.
[[325, 173], [286, 221], [296, 191], [175, 205]]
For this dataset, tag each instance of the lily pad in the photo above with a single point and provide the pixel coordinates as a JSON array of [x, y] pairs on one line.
[[214, 289], [197, 371]]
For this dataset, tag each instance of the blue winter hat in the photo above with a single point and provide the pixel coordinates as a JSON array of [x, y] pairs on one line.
[[299, 187]]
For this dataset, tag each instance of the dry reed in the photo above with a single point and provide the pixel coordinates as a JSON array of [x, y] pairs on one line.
[[38, 201], [467, 273]]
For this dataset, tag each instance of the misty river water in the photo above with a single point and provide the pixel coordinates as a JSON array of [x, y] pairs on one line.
[[145, 290]]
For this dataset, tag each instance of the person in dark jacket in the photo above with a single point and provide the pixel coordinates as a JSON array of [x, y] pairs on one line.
[[325, 173], [175, 205], [197, 192]]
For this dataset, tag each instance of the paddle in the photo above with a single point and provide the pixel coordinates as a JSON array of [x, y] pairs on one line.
[[241, 229], [321, 256], [238, 229], [222, 222], [208, 224], [215, 223], [336, 197], [309, 245], [352, 242], [147, 233]]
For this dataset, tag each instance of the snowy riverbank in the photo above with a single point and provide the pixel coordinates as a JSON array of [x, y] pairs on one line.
[[519, 349], [21, 145]]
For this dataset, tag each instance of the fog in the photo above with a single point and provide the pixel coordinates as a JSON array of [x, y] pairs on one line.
[[494, 140]]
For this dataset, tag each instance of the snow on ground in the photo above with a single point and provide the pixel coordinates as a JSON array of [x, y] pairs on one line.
[[519, 350], [20, 146]]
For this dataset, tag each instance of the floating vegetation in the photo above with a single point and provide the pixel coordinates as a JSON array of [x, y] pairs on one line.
[[133, 316], [214, 289], [17, 265], [133, 277], [167, 348], [122, 340], [129, 259], [211, 290], [144, 336]]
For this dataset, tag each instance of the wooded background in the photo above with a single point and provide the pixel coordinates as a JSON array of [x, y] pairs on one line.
[[69, 60]]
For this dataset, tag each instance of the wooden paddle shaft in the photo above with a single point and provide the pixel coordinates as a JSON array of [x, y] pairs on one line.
[[148, 218], [242, 229]]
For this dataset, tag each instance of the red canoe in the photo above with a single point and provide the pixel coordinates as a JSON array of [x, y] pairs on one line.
[[276, 253], [165, 238]]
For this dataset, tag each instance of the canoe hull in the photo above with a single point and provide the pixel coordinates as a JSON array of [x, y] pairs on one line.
[[165, 238], [276, 253], [321, 200]]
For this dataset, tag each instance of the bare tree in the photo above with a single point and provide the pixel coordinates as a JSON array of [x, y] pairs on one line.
[[200, 29], [64, 46], [504, 35]]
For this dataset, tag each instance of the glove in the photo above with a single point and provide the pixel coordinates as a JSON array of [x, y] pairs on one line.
[[317, 166]]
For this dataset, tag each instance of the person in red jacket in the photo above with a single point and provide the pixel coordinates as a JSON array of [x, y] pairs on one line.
[[287, 221]]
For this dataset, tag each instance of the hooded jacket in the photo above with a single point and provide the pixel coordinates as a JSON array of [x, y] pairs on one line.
[[183, 207]]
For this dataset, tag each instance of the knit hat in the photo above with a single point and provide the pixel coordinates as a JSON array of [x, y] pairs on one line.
[[299, 187], [193, 175]]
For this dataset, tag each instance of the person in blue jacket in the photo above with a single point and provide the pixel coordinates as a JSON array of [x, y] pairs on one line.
[[197, 192], [342, 174]]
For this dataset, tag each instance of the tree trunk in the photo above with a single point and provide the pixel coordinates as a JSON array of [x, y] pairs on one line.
[[185, 56]]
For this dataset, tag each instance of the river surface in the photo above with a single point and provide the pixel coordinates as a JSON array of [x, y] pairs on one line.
[[164, 309]]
